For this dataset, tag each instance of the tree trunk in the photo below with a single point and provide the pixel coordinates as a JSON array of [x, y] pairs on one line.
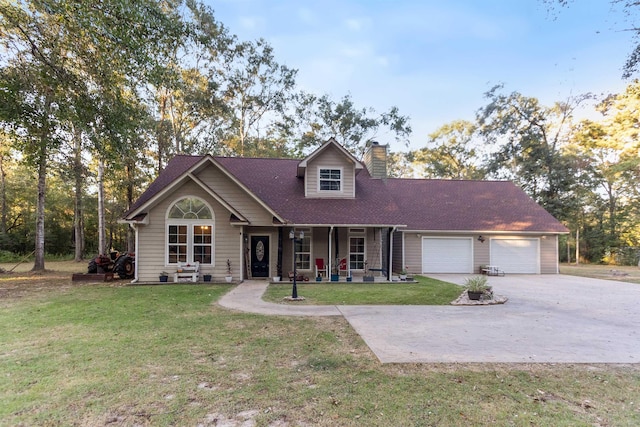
[[577, 245], [78, 217], [130, 168], [102, 239], [42, 181], [3, 197]]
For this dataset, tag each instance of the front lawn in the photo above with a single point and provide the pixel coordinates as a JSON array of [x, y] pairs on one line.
[[108, 354], [424, 291]]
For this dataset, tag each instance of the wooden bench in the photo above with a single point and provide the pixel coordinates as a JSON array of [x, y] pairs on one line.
[[187, 272]]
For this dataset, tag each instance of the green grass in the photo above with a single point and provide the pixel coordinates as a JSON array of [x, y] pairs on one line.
[[168, 355], [425, 291]]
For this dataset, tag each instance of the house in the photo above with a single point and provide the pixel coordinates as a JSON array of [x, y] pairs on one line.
[[213, 209]]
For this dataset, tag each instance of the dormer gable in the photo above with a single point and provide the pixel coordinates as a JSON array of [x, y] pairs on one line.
[[330, 172]]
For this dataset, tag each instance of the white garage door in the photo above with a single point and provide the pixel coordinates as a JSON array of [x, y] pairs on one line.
[[447, 255], [516, 255]]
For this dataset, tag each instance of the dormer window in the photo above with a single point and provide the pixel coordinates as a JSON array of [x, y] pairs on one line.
[[330, 179]]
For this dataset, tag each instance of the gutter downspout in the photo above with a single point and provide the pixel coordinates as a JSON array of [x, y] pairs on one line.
[[329, 270], [135, 275], [390, 263]]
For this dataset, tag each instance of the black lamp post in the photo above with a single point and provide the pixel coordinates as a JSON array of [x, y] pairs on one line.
[[292, 236]]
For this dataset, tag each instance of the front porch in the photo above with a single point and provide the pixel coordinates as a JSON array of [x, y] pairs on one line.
[[377, 278], [356, 252]]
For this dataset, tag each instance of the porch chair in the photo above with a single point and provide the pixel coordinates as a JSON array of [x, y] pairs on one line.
[[342, 266], [321, 268]]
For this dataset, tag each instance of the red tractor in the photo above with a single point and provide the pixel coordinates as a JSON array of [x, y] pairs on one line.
[[123, 264]]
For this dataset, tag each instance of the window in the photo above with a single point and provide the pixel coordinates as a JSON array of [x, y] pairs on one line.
[[330, 179], [356, 252], [303, 250], [190, 232]]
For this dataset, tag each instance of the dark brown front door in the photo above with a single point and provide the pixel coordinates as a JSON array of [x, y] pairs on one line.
[[259, 256]]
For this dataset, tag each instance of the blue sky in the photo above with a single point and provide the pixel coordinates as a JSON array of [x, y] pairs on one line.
[[434, 60]]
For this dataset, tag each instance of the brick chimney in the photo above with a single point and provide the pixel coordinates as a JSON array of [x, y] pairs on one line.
[[375, 159]]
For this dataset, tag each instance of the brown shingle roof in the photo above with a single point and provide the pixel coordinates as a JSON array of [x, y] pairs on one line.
[[452, 205], [275, 182], [419, 204]]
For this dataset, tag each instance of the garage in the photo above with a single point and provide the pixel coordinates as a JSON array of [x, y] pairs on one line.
[[517, 256], [447, 255]]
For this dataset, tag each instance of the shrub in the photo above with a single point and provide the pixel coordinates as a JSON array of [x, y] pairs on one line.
[[476, 283]]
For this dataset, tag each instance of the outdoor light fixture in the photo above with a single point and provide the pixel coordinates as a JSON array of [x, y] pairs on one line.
[[292, 236], [481, 239]]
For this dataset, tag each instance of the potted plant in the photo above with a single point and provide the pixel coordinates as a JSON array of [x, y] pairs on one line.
[[335, 273], [228, 277], [403, 274], [476, 287], [367, 277], [276, 278], [164, 276], [206, 277]]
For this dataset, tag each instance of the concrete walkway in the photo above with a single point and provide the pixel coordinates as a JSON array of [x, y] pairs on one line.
[[247, 296], [548, 319]]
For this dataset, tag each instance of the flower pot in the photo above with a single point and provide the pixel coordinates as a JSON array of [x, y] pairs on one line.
[[403, 277], [206, 277], [164, 278], [335, 277], [276, 278], [475, 296], [228, 279], [319, 279], [349, 279]]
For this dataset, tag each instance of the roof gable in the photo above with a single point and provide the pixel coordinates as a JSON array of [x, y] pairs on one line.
[[182, 168], [331, 142]]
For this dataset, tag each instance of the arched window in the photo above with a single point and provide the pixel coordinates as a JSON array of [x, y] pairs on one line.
[[190, 234]]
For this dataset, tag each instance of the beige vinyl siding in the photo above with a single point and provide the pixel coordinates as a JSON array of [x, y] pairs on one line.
[[152, 239], [318, 250], [549, 255], [413, 253], [331, 158], [235, 196], [481, 252], [373, 243]]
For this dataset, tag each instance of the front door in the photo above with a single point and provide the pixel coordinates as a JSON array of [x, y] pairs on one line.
[[259, 256]]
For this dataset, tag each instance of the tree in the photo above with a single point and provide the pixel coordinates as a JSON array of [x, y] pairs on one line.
[[452, 152], [79, 58], [611, 149], [256, 90], [527, 141], [629, 6], [320, 118]]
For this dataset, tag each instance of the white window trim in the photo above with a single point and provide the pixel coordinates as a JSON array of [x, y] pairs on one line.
[[307, 232], [358, 235], [190, 223], [338, 168]]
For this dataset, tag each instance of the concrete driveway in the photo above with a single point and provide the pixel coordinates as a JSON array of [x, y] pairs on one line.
[[548, 319]]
